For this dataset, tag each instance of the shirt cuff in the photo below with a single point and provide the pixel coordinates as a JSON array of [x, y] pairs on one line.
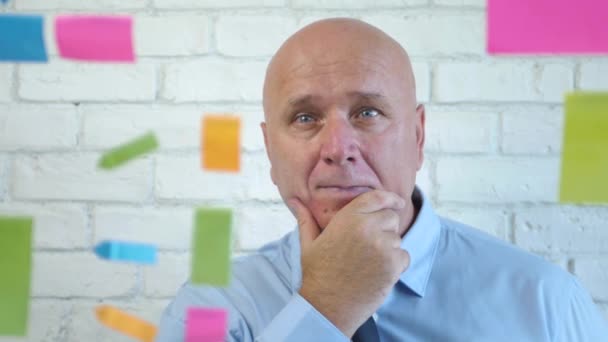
[[299, 321]]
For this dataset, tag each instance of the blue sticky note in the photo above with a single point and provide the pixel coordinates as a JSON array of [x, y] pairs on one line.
[[21, 38], [126, 251]]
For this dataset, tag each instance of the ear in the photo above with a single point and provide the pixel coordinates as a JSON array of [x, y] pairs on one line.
[[267, 145], [420, 133]]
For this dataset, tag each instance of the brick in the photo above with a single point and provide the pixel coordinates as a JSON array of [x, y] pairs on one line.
[[493, 221], [75, 176], [6, 86], [69, 274], [69, 81], [424, 178], [422, 74], [242, 35], [176, 127], [156, 36], [4, 176], [361, 4], [443, 34], [256, 176], [593, 76], [25, 127], [97, 5], [562, 229], [164, 279], [260, 224], [47, 321], [461, 3], [460, 131], [175, 4], [500, 82], [214, 80], [532, 130], [554, 81], [84, 326], [252, 138], [593, 274], [59, 226], [165, 227], [182, 177], [497, 180]]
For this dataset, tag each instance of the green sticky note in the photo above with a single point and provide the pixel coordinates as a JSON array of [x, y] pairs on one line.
[[211, 247], [585, 149], [15, 270], [122, 154]]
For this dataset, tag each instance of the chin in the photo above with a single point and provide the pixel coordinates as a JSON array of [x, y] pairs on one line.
[[324, 211]]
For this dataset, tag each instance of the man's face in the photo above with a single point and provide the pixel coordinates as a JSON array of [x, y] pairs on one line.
[[339, 126]]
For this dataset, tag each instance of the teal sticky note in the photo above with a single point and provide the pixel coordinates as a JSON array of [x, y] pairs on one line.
[[21, 38], [131, 150], [15, 268], [211, 247]]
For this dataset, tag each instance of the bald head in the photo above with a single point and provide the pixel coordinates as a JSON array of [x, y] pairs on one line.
[[335, 43]]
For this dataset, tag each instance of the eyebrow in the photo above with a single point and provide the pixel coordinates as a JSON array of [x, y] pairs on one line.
[[307, 99]]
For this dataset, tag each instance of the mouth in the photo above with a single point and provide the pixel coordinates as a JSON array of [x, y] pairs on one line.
[[340, 190]]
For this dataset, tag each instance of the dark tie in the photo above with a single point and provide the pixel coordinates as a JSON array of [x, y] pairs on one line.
[[367, 332]]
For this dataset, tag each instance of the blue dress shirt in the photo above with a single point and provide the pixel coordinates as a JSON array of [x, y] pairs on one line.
[[462, 285]]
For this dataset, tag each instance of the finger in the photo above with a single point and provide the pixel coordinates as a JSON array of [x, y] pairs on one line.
[[307, 225], [375, 200]]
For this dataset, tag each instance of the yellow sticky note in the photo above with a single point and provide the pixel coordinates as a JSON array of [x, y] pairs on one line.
[[584, 171], [221, 143], [127, 324]]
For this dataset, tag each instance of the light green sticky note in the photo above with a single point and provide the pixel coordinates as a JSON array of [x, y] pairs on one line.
[[131, 150], [15, 271], [211, 247], [584, 171]]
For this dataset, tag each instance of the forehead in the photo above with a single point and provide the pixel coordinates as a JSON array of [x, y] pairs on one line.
[[348, 78]]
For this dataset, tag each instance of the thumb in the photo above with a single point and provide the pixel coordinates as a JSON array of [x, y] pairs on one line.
[[307, 225]]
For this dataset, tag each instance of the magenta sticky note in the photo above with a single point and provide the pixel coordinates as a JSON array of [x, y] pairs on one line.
[[206, 324], [95, 38], [547, 26]]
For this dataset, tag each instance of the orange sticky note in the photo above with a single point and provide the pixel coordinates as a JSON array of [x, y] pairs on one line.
[[127, 324], [221, 143]]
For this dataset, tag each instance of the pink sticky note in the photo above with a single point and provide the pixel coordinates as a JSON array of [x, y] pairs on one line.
[[95, 38], [206, 324], [548, 26]]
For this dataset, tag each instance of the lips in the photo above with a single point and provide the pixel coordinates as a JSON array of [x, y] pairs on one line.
[[345, 190]]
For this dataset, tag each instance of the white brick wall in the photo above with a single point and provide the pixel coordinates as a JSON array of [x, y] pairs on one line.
[[494, 135]]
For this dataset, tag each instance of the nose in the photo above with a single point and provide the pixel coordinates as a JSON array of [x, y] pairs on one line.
[[339, 144]]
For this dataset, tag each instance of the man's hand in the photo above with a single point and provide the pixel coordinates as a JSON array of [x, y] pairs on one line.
[[348, 271]]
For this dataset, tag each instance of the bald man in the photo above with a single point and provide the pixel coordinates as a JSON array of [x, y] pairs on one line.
[[370, 260]]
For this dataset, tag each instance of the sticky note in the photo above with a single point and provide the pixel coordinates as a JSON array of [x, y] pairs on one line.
[[95, 38], [15, 268], [206, 324], [128, 151], [585, 149], [125, 323], [547, 26], [221, 143], [21, 38], [211, 247], [126, 251]]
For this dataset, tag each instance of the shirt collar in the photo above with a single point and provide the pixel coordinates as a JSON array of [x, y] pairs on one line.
[[421, 241]]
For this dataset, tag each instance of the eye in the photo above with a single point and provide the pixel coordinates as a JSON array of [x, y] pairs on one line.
[[304, 118], [366, 113]]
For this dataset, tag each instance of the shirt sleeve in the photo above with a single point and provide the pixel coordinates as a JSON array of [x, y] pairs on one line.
[[583, 320], [299, 321]]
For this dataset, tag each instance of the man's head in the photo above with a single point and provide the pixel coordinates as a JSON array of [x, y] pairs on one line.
[[341, 117]]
